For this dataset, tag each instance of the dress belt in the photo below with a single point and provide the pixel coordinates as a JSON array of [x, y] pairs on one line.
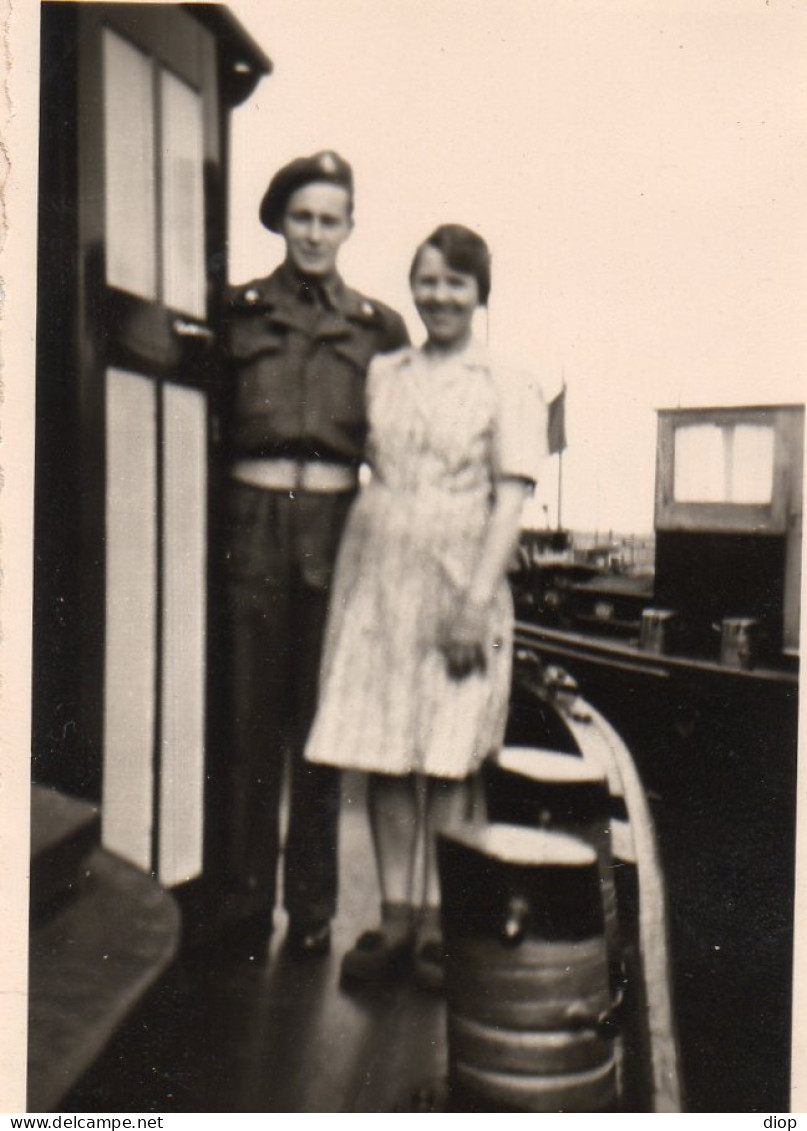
[[296, 475]]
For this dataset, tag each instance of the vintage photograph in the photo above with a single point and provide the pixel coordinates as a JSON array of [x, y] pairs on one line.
[[417, 525]]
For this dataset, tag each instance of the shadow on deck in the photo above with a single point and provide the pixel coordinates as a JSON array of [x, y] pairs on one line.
[[275, 1037]]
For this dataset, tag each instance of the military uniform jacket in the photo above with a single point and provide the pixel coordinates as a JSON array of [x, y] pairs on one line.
[[298, 367]]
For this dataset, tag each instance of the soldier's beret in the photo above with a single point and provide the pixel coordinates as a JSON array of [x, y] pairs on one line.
[[326, 166]]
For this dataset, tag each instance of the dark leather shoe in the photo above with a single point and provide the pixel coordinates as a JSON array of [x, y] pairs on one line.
[[430, 966], [309, 940], [374, 958]]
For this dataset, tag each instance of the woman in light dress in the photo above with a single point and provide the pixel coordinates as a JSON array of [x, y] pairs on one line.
[[415, 677]]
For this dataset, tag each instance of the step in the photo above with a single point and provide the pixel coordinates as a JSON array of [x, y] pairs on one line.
[[90, 965], [64, 831]]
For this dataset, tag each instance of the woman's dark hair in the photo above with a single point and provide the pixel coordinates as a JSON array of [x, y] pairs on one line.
[[463, 251]]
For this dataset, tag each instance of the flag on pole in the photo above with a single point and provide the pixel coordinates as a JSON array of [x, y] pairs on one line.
[[556, 426]]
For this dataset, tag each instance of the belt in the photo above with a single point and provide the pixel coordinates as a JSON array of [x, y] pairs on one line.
[[296, 475]]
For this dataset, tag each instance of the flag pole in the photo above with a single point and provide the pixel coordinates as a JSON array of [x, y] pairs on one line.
[[560, 458], [560, 487]]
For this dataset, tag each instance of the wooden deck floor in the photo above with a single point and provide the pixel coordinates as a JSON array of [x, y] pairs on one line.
[[282, 1037]]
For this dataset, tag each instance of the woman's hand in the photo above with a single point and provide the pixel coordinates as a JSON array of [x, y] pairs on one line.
[[464, 639]]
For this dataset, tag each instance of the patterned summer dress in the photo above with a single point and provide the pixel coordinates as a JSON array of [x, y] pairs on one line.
[[442, 430]]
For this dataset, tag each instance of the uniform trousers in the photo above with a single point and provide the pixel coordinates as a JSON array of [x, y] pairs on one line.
[[281, 549]]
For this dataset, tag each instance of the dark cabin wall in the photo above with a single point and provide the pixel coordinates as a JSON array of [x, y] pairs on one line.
[[709, 575]]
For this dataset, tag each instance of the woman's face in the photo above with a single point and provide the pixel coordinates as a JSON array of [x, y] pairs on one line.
[[445, 299]]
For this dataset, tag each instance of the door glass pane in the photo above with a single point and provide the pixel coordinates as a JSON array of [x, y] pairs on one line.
[[130, 642], [183, 701], [183, 231], [131, 260]]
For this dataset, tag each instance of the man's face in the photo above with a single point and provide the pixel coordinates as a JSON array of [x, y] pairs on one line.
[[316, 223]]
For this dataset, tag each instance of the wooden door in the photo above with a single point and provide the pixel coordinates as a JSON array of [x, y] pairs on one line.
[[148, 152]]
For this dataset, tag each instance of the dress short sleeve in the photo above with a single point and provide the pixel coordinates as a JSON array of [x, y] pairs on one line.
[[520, 434]]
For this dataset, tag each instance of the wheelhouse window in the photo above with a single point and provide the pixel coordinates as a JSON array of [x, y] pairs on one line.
[[728, 469], [724, 463]]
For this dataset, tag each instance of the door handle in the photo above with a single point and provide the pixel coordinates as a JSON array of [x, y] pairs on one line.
[[185, 329]]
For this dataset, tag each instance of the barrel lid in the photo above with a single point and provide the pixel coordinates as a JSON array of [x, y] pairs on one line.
[[658, 614], [548, 765], [516, 844]]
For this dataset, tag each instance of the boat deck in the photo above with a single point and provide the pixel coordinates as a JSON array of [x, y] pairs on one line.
[[277, 1037], [282, 1036]]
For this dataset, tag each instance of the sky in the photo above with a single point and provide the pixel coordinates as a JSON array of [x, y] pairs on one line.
[[638, 168]]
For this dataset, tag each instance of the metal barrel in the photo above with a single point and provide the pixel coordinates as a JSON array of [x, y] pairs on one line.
[[591, 1091], [656, 631], [527, 972], [562, 792]]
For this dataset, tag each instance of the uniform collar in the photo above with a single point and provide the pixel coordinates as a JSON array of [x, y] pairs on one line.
[[335, 292], [279, 293], [291, 285], [341, 301]]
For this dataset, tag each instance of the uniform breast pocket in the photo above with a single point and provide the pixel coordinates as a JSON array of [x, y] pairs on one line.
[[251, 334], [267, 403], [262, 384], [338, 380]]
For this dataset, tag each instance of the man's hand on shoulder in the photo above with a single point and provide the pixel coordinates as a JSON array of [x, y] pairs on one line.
[[395, 334]]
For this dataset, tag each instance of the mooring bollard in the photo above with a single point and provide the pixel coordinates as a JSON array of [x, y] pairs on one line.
[[527, 972], [562, 793]]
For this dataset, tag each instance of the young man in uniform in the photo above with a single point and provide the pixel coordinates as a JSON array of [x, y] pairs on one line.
[[300, 342]]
